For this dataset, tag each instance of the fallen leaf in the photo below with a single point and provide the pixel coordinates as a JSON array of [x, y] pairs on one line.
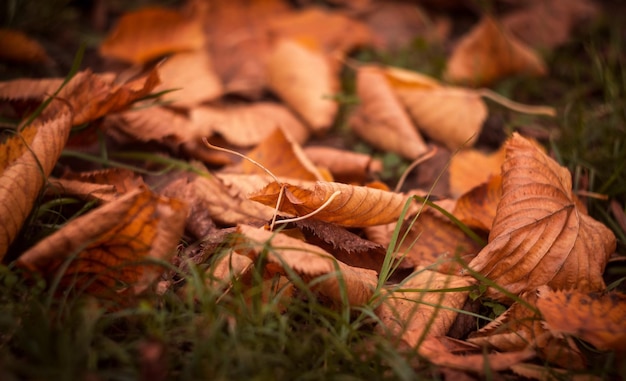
[[19, 47], [521, 327], [452, 116], [380, 118], [282, 157], [190, 78], [539, 235], [108, 250], [354, 206], [148, 33], [548, 24], [424, 306], [81, 189], [345, 166], [27, 158], [302, 76], [311, 263], [248, 125], [225, 269], [124, 180], [489, 53], [598, 318], [470, 168], [477, 208]]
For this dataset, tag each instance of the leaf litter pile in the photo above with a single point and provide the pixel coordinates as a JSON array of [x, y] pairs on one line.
[[208, 145]]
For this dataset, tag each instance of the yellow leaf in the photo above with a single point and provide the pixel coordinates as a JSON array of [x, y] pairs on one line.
[[539, 235]]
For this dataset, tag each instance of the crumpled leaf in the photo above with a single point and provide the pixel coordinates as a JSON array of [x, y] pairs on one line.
[[111, 245], [310, 262], [450, 115], [19, 47], [191, 79], [540, 236], [598, 318], [423, 306], [90, 95], [26, 160], [520, 327], [148, 33], [302, 76], [354, 206], [380, 118], [489, 53]]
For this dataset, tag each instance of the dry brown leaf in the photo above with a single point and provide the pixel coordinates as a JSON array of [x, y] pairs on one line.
[[521, 327], [310, 262], [112, 245], [423, 306], [489, 53], [477, 208], [547, 24], [539, 235], [453, 116], [345, 166], [282, 157], [339, 35], [380, 118], [81, 189], [17, 46], [429, 240], [598, 318], [225, 203], [354, 206], [148, 33], [303, 77], [228, 267], [470, 168], [124, 180], [191, 78], [26, 159], [239, 52], [438, 354], [248, 125]]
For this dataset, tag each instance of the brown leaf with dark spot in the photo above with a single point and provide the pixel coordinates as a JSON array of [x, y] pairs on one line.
[[539, 235], [108, 251]]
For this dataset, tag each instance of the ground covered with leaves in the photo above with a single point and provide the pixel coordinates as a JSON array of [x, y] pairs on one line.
[[312, 190]]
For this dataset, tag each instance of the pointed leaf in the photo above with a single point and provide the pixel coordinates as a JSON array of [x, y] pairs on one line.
[[540, 236]]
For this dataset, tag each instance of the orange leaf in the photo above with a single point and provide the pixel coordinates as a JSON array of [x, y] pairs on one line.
[[354, 206], [302, 76], [380, 118], [477, 208], [281, 156], [597, 318], [489, 53], [310, 262], [191, 78], [345, 166], [149, 33], [539, 235], [111, 245], [26, 160], [17, 46], [450, 115], [469, 168]]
